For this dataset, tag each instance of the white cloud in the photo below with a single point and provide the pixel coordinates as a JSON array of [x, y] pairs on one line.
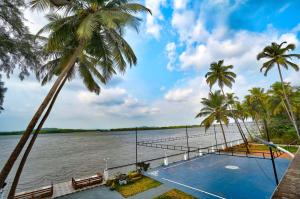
[[178, 94], [240, 49], [180, 4], [111, 96], [171, 53], [115, 101], [182, 21], [152, 21]]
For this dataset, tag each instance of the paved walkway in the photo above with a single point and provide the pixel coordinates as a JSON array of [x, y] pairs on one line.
[[152, 193], [289, 187], [103, 192]]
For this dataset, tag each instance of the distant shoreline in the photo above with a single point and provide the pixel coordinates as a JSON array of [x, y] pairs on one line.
[[58, 130]]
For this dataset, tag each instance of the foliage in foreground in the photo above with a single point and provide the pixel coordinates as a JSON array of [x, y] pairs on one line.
[[141, 185], [2, 91], [175, 194]]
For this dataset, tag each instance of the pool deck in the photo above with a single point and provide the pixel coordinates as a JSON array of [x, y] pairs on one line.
[[290, 185]]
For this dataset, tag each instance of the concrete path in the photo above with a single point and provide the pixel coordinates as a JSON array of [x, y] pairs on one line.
[[101, 192], [152, 193], [290, 184]]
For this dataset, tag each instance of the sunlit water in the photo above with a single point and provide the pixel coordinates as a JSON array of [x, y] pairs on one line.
[[59, 157]]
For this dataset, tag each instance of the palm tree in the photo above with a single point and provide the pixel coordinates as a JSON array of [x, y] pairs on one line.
[[251, 110], [215, 109], [86, 38], [31, 143], [242, 114], [222, 75], [277, 55], [261, 101], [278, 103]]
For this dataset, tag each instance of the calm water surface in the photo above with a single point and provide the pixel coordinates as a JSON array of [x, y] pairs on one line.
[[59, 157]]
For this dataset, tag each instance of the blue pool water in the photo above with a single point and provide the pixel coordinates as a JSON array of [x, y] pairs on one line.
[[221, 176]]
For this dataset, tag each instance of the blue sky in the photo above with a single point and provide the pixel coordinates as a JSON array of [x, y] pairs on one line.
[[174, 48]]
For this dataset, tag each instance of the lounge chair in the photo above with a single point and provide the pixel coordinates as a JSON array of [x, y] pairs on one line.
[[86, 182], [44, 192]]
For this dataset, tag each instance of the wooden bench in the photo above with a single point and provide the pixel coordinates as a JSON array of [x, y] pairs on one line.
[[82, 183], [40, 193]]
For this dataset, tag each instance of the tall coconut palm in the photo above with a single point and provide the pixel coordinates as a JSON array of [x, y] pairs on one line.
[[215, 109], [261, 101], [278, 103], [32, 141], [221, 75], [242, 114], [278, 55], [86, 38], [251, 110]]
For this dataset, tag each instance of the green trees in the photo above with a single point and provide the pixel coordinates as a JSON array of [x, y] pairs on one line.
[[86, 38], [277, 55], [215, 108], [223, 76], [17, 48]]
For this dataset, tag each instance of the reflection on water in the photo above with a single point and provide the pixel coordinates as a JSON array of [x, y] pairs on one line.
[[59, 157]]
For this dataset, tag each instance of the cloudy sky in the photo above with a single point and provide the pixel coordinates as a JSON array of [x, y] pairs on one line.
[[175, 47]]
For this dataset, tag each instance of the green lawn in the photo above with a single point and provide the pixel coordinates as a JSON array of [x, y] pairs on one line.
[[175, 194], [138, 186], [259, 147]]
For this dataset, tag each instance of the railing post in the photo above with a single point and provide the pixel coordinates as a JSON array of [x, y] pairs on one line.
[[271, 152], [187, 142], [136, 150]]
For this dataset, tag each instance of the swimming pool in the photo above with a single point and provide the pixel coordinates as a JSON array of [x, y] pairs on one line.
[[221, 176]]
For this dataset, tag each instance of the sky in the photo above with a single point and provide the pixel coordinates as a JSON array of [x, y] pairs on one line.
[[174, 47]]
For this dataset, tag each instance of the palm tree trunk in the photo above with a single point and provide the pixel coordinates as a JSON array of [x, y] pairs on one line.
[[237, 124], [288, 102], [224, 135], [260, 132], [287, 110], [30, 145], [247, 129], [17, 150]]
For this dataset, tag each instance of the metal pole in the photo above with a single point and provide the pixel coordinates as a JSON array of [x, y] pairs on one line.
[[272, 157], [187, 142], [216, 137], [136, 155]]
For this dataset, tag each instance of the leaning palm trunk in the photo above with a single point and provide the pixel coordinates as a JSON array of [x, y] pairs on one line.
[[30, 145], [16, 152], [237, 124], [287, 110], [247, 129], [290, 111], [256, 123], [223, 134]]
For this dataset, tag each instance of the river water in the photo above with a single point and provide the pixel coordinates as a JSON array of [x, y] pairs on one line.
[[59, 157]]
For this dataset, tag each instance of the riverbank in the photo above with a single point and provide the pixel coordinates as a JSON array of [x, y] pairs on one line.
[[58, 130]]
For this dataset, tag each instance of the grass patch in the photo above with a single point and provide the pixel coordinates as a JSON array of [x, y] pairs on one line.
[[255, 147], [292, 149], [175, 194], [138, 186]]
